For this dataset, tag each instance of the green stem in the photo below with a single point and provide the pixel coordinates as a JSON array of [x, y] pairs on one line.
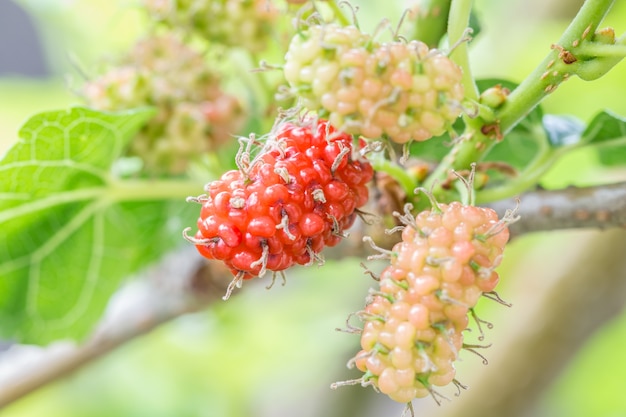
[[115, 190], [397, 172], [431, 22], [53, 200], [469, 148], [537, 85], [146, 190], [338, 13], [458, 22], [267, 90], [602, 50], [480, 135], [525, 180], [545, 159]]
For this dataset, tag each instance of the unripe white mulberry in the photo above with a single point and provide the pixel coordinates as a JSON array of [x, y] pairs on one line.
[[193, 115], [235, 23], [414, 320], [403, 91]]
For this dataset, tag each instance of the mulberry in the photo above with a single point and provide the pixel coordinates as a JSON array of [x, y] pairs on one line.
[[404, 91], [284, 205]]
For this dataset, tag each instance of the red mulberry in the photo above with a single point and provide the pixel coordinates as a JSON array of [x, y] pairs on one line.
[[284, 205]]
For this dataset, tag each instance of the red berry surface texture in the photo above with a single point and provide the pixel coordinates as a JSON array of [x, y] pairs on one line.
[[414, 322], [292, 196], [403, 91]]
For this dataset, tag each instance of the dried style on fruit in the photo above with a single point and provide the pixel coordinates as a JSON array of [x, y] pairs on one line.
[[414, 321]]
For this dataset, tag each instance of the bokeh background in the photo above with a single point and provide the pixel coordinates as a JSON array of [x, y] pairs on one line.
[[275, 353]]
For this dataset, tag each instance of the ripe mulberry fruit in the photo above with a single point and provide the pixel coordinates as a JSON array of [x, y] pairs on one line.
[[414, 322], [295, 196], [403, 91]]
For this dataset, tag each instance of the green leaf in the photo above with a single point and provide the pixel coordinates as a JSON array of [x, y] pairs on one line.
[[517, 149], [522, 148], [608, 131], [562, 130], [71, 231], [605, 127]]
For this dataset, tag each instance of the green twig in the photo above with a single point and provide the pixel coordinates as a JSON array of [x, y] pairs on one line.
[[602, 50], [431, 21], [480, 136], [338, 13], [261, 76], [146, 190], [525, 180], [537, 85], [397, 172]]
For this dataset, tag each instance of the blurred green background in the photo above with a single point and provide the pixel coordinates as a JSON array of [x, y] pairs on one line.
[[274, 353]]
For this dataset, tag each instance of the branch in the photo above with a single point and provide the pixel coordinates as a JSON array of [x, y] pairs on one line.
[[176, 286], [167, 292], [599, 207]]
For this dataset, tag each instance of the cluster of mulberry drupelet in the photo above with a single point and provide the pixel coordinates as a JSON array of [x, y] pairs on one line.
[[234, 23], [194, 115], [404, 91], [286, 203], [414, 323]]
